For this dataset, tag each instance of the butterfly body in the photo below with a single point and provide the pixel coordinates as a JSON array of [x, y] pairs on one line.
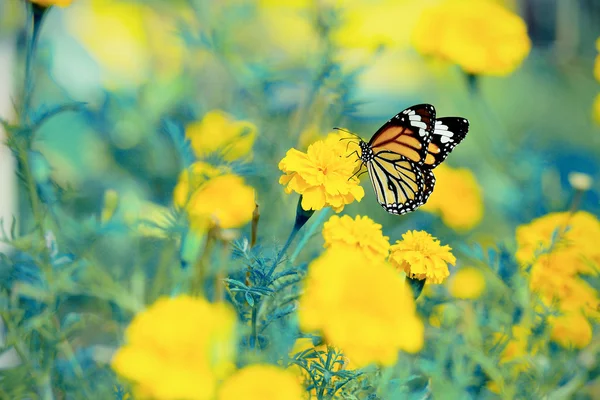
[[401, 156]]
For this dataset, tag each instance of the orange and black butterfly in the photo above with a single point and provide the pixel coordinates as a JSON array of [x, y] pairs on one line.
[[401, 156]]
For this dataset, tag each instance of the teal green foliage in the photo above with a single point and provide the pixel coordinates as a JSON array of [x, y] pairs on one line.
[[72, 283]]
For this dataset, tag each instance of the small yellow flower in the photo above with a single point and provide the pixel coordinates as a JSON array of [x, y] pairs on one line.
[[482, 37], [421, 256], [362, 306], [574, 240], [178, 348], [225, 201], [467, 283], [262, 382], [219, 133], [48, 3], [571, 330], [321, 175], [193, 178], [457, 198], [361, 233]]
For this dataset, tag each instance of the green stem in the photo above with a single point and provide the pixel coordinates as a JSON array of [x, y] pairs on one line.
[[309, 233], [254, 342]]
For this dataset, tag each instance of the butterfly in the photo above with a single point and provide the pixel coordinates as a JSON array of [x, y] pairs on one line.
[[401, 156]]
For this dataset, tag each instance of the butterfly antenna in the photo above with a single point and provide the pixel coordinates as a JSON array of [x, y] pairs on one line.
[[347, 131]]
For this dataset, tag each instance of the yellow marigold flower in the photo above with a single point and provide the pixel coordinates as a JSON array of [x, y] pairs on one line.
[[482, 37], [457, 198], [219, 133], [467, 283], [571, 292], [575, 235], [262, 382], [192, 178], [48, 3], [571, 330], [178, 348], [421, 256], [362, 306], [321, 175], [224, 200], [361, 233]]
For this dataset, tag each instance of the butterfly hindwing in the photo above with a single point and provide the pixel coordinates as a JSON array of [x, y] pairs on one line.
[[407, 134], [448, 132], [398, 184]]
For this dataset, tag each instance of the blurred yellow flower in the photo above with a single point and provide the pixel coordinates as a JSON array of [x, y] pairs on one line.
[[421, 256], [457, 198], [482, 37], [597, 63], [467, 283], [321, 175], [131, 42], [596, 110], [374, 24], [178, 348], [262, 382], [224, 200], [48, 3], [568, 293], [193, 177], [362, 306], [218, 133], [361, 233], [516, 352], [571, 330], [571, 235], [516, 347]]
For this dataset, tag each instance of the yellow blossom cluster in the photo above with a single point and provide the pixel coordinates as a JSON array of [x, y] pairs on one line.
[[361, 233], [457, 198], [185, 347], [322, 175], [422, 256], [362, 306], [418, 254], [178, 348], [482, 37], [560, 248], [213, 195]]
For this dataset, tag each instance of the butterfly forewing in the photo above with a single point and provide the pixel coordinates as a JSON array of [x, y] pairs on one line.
[[398, 184], [408, 133], [448, 132]]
